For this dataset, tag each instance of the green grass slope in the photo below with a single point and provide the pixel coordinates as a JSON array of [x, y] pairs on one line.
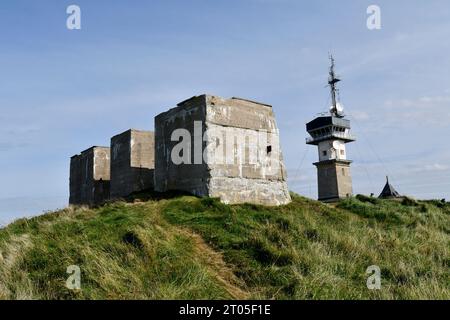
[[190, 248]]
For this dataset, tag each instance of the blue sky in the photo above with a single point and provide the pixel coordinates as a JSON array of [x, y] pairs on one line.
[[62, 91]]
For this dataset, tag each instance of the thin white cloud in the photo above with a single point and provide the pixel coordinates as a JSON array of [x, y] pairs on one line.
[[436, 167]]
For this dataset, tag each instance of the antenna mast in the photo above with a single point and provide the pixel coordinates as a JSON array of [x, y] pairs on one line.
[[332, 80]]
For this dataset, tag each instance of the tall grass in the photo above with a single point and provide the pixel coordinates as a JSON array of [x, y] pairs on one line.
[[124, 252], [307, 250], [191, 248]]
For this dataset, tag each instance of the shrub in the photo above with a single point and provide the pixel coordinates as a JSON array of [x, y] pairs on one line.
[[364, 198], [409, 202]]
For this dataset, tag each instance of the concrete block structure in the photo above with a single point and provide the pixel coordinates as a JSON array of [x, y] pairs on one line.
[[132, 162], [226, 148], [90, 176]]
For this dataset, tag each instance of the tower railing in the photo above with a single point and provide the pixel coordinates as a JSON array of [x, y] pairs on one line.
[[338, 135]]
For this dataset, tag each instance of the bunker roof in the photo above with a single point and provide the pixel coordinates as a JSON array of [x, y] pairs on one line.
[[88, 149], [252, 101], [131, 130], [205, 96]]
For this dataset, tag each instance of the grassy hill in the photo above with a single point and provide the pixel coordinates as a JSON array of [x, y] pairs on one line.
[[190, 248]]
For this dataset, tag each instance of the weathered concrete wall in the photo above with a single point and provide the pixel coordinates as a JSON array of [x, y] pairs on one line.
[[240, 113], [344, 179], [132, 162], [241, 190], [240, 141], [75, 180], [334, 180], [254, 169], [90, 176], [189, 177]]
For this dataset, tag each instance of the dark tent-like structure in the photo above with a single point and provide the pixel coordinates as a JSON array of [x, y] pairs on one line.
[[389, 191]]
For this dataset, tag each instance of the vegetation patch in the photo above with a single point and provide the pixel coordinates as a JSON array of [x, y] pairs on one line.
[[183, 247]]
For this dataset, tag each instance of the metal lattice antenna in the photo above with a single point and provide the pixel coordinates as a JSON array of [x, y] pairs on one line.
[[332, 80]]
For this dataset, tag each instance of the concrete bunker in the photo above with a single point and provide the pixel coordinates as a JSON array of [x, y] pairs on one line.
[[234, 151], [90, 176], [132, 162]]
